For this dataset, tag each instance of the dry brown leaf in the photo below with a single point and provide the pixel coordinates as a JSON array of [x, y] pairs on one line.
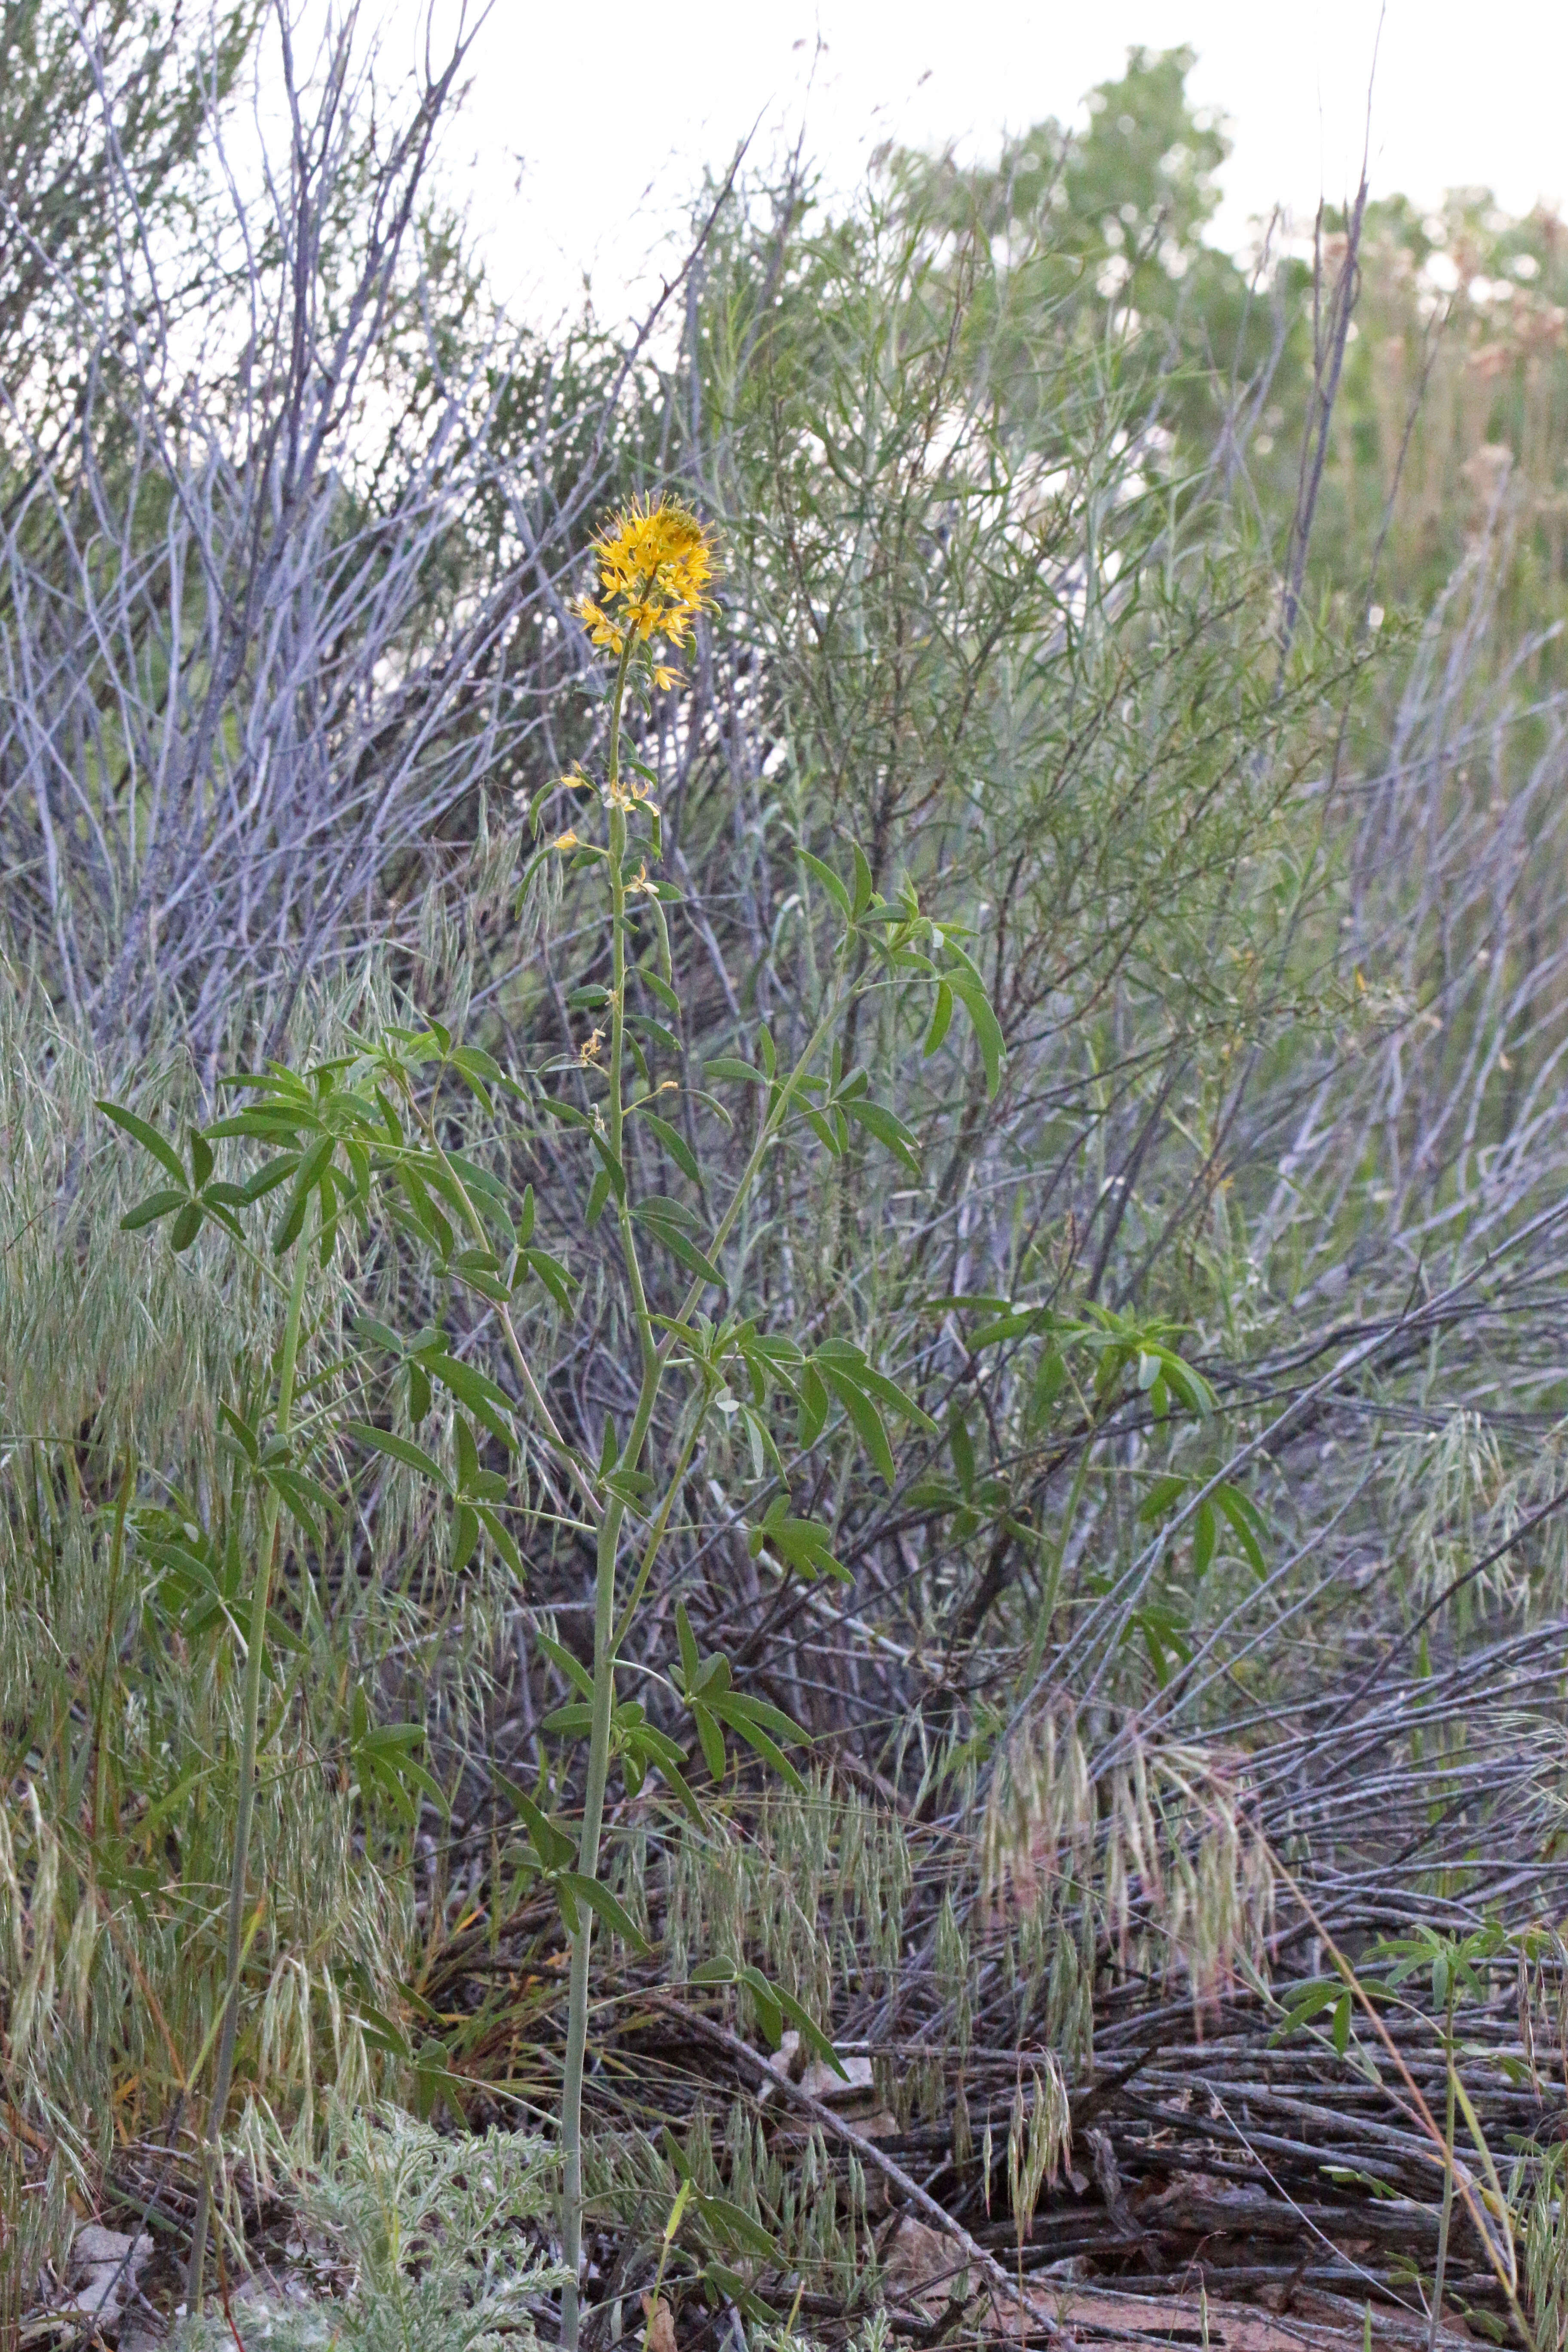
[[660, 2325]]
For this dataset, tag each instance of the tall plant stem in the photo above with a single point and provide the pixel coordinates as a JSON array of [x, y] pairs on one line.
[[587, 1865], [607, 1633], [1447, 2215], [255, 1659], [580, 1470], [604, 1575]]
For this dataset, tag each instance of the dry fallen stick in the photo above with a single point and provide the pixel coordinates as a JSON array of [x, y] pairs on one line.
[[870, 2153]]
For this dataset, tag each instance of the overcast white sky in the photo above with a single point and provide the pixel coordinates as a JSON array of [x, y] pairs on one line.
[[588, 124]]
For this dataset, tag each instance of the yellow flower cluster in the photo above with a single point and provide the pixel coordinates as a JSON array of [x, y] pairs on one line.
[[656, 566]]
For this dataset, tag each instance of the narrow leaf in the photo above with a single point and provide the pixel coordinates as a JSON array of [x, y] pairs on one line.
[[940, 1019], [150, 1139], [869, 1426], [399, 1449], [576, 1671], [599, 1898], [830, 881], [148, 1212]]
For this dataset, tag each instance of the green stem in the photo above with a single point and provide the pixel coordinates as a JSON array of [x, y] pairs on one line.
[[255, 1658], [656, 1538], [100, 1711], [607, 1633], [604, 1577], [587, 1865], [581, 1470], [1436, 2317], [1047, 1608]]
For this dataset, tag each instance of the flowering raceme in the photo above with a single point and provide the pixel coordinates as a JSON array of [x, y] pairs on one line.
[[656, 566]]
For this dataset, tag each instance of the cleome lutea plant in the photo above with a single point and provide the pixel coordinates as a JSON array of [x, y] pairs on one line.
[[355, 1145]]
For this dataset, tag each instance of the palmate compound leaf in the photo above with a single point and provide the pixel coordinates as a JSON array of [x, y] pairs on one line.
[[640, 1744], [862, 1391], [217, 1201], [556, 1851], [1306, 2002], [705, 1684], [804, 1545], [476, 1494], [756, 1723]]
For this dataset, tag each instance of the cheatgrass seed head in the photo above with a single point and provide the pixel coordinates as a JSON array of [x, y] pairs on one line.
[[656, 565]]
